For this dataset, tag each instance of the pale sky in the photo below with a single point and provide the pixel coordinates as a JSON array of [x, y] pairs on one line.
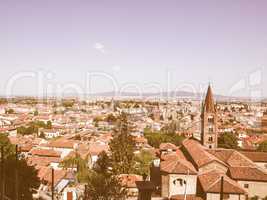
[[139, 44]]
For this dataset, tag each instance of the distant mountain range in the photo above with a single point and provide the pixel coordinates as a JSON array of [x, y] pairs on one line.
[[157, 95], [177, 94]]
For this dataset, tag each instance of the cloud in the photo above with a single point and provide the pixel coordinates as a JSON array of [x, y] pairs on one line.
[[100, 47]]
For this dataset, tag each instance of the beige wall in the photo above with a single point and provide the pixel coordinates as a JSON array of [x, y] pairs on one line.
[[255, 188], [164, 185], [170, 188], [262, 165], [216, 196]]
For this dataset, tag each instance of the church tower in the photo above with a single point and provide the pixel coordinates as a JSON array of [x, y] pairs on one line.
[[209, 133]]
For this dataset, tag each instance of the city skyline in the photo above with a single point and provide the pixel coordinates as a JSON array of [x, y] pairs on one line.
[[137, 43]]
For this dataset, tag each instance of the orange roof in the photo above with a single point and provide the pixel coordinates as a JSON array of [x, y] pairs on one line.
[[248, 174], [211, 182], [255, 156], [177, 166], [45, 152], [129, 180], [199, 154], [167, 146]]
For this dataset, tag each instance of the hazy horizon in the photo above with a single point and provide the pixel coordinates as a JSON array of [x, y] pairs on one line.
[[133, 46]]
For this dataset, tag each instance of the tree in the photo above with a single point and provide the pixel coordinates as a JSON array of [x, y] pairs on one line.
[[80, 164], [122, 148], [36, 113], [10, 111], [102, 184], [156, 138], [49, 125], [104, 187], [262, 146], [68, 103], [103, 163], [143, 162], [111, 118], [28, 180], [228, 141]]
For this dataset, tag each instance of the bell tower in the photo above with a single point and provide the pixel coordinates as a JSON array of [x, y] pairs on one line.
[[209, 129]]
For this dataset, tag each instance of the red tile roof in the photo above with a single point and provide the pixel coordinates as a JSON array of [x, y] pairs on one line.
[[198, 153], [177, 166], [45, 152], [211, 182], [167, 146], [248, 174], [255, 156], [129, 180]]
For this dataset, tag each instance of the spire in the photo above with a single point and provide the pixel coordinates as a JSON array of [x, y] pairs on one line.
[[209, 105]]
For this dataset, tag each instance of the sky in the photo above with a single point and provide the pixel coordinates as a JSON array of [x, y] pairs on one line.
[[56, 46]]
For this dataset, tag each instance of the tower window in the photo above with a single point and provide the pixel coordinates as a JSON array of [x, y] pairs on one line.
[[210, 139], [210, 119], [210, 129]]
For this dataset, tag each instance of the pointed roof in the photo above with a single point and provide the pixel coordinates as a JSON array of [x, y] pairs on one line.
[[209, 105]]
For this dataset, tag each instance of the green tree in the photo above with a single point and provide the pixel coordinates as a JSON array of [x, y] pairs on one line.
[[28, 180], [36, 113], [104, 187], [49, 125], [10, 111], [122, 148], [103, 163], [68, 103], [143, 162], [80, 164], [102, 184], [156, 138], [262, 146], [228, 141]]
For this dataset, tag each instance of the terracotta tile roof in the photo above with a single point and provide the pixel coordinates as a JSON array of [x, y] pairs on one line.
[[42, 161], [198, 153], [255, 156], [248, 174], [46, 175], [96, 149], [232, 157], [211, 182], [167, 146], [61, 143], [25, 148], [45, 152], [129, 180], [176, 165]]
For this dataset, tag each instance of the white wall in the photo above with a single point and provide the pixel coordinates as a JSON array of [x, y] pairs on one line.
[[255, 188], [176, 189]]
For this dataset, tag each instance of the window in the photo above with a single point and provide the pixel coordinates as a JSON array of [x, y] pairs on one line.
[[210, 119], [210, 139], [246, 185], [210, 129], [210, 147]]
